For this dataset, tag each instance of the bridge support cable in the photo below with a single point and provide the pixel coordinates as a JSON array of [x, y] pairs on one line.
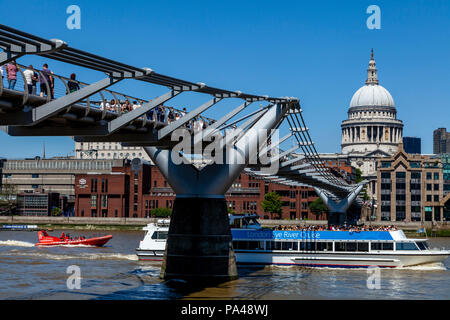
[[302, 144], [235, 135], [125, 119], [53, 107], [213, 128], [305, 143], [309, 148], [275, 144], [312, 147], [225, 126], [187, 117]]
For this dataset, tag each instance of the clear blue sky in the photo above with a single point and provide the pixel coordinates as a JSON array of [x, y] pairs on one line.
[[317, 51]]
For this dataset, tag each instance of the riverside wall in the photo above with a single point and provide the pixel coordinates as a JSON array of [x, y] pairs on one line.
[[144, 221]]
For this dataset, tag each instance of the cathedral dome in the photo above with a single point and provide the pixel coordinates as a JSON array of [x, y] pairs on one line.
[[372, 95], [372, 125]]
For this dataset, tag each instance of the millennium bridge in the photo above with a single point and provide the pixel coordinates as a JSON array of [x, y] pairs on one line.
[[200, 165]]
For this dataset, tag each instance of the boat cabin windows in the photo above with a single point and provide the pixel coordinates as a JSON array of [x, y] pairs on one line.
[[250, 223], [406, 246], [307, 246], [382, 246], [273, 245], [324, 246], [160, 235], [363, 246], [249, 245], [422, 245], [351, 246], [289, 245], [339, 246], [244, 222]]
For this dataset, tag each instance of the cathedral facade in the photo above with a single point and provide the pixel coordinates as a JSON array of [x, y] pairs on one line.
[[371, 130]]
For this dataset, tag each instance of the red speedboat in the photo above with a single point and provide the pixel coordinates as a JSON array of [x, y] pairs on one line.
[[46, 240]]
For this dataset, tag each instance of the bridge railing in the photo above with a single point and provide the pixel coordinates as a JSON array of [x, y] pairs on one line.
[[105, 100]]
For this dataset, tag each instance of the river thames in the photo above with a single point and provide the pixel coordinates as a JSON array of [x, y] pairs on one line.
[[113, 272]]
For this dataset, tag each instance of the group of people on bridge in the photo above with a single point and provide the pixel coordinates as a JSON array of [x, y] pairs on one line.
[[335, 228], [45, 77], [32, 77]]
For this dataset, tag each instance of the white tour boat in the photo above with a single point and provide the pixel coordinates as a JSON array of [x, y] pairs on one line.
[[344, 249], [152, 247]]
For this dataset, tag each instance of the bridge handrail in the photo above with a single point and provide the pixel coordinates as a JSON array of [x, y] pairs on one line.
[[65, 79]]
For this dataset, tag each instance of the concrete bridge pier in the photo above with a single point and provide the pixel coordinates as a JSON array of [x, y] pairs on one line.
[[199, 243]]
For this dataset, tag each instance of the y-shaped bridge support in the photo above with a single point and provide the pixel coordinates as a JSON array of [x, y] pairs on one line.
[[199, 241], [338, 210]]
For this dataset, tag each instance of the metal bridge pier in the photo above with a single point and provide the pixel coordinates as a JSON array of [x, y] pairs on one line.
[[338, 210], [199, 244]]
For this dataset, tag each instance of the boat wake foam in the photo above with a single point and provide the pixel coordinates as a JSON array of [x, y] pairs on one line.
[[15, 243], [425, 267], [86, 256]]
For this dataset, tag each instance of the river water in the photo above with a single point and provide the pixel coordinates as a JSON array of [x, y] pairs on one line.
[[113, 272]]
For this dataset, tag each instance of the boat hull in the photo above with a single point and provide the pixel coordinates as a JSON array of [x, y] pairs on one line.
[[98, 242], [150, 255], [358, 260]]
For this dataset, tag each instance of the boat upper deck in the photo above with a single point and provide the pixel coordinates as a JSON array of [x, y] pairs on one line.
[[251, 234]]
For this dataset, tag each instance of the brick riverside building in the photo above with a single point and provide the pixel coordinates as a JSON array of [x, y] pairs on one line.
[[411, 188], [133, 191]]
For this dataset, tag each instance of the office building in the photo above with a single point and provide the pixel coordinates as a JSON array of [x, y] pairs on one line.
[[412, 145]]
